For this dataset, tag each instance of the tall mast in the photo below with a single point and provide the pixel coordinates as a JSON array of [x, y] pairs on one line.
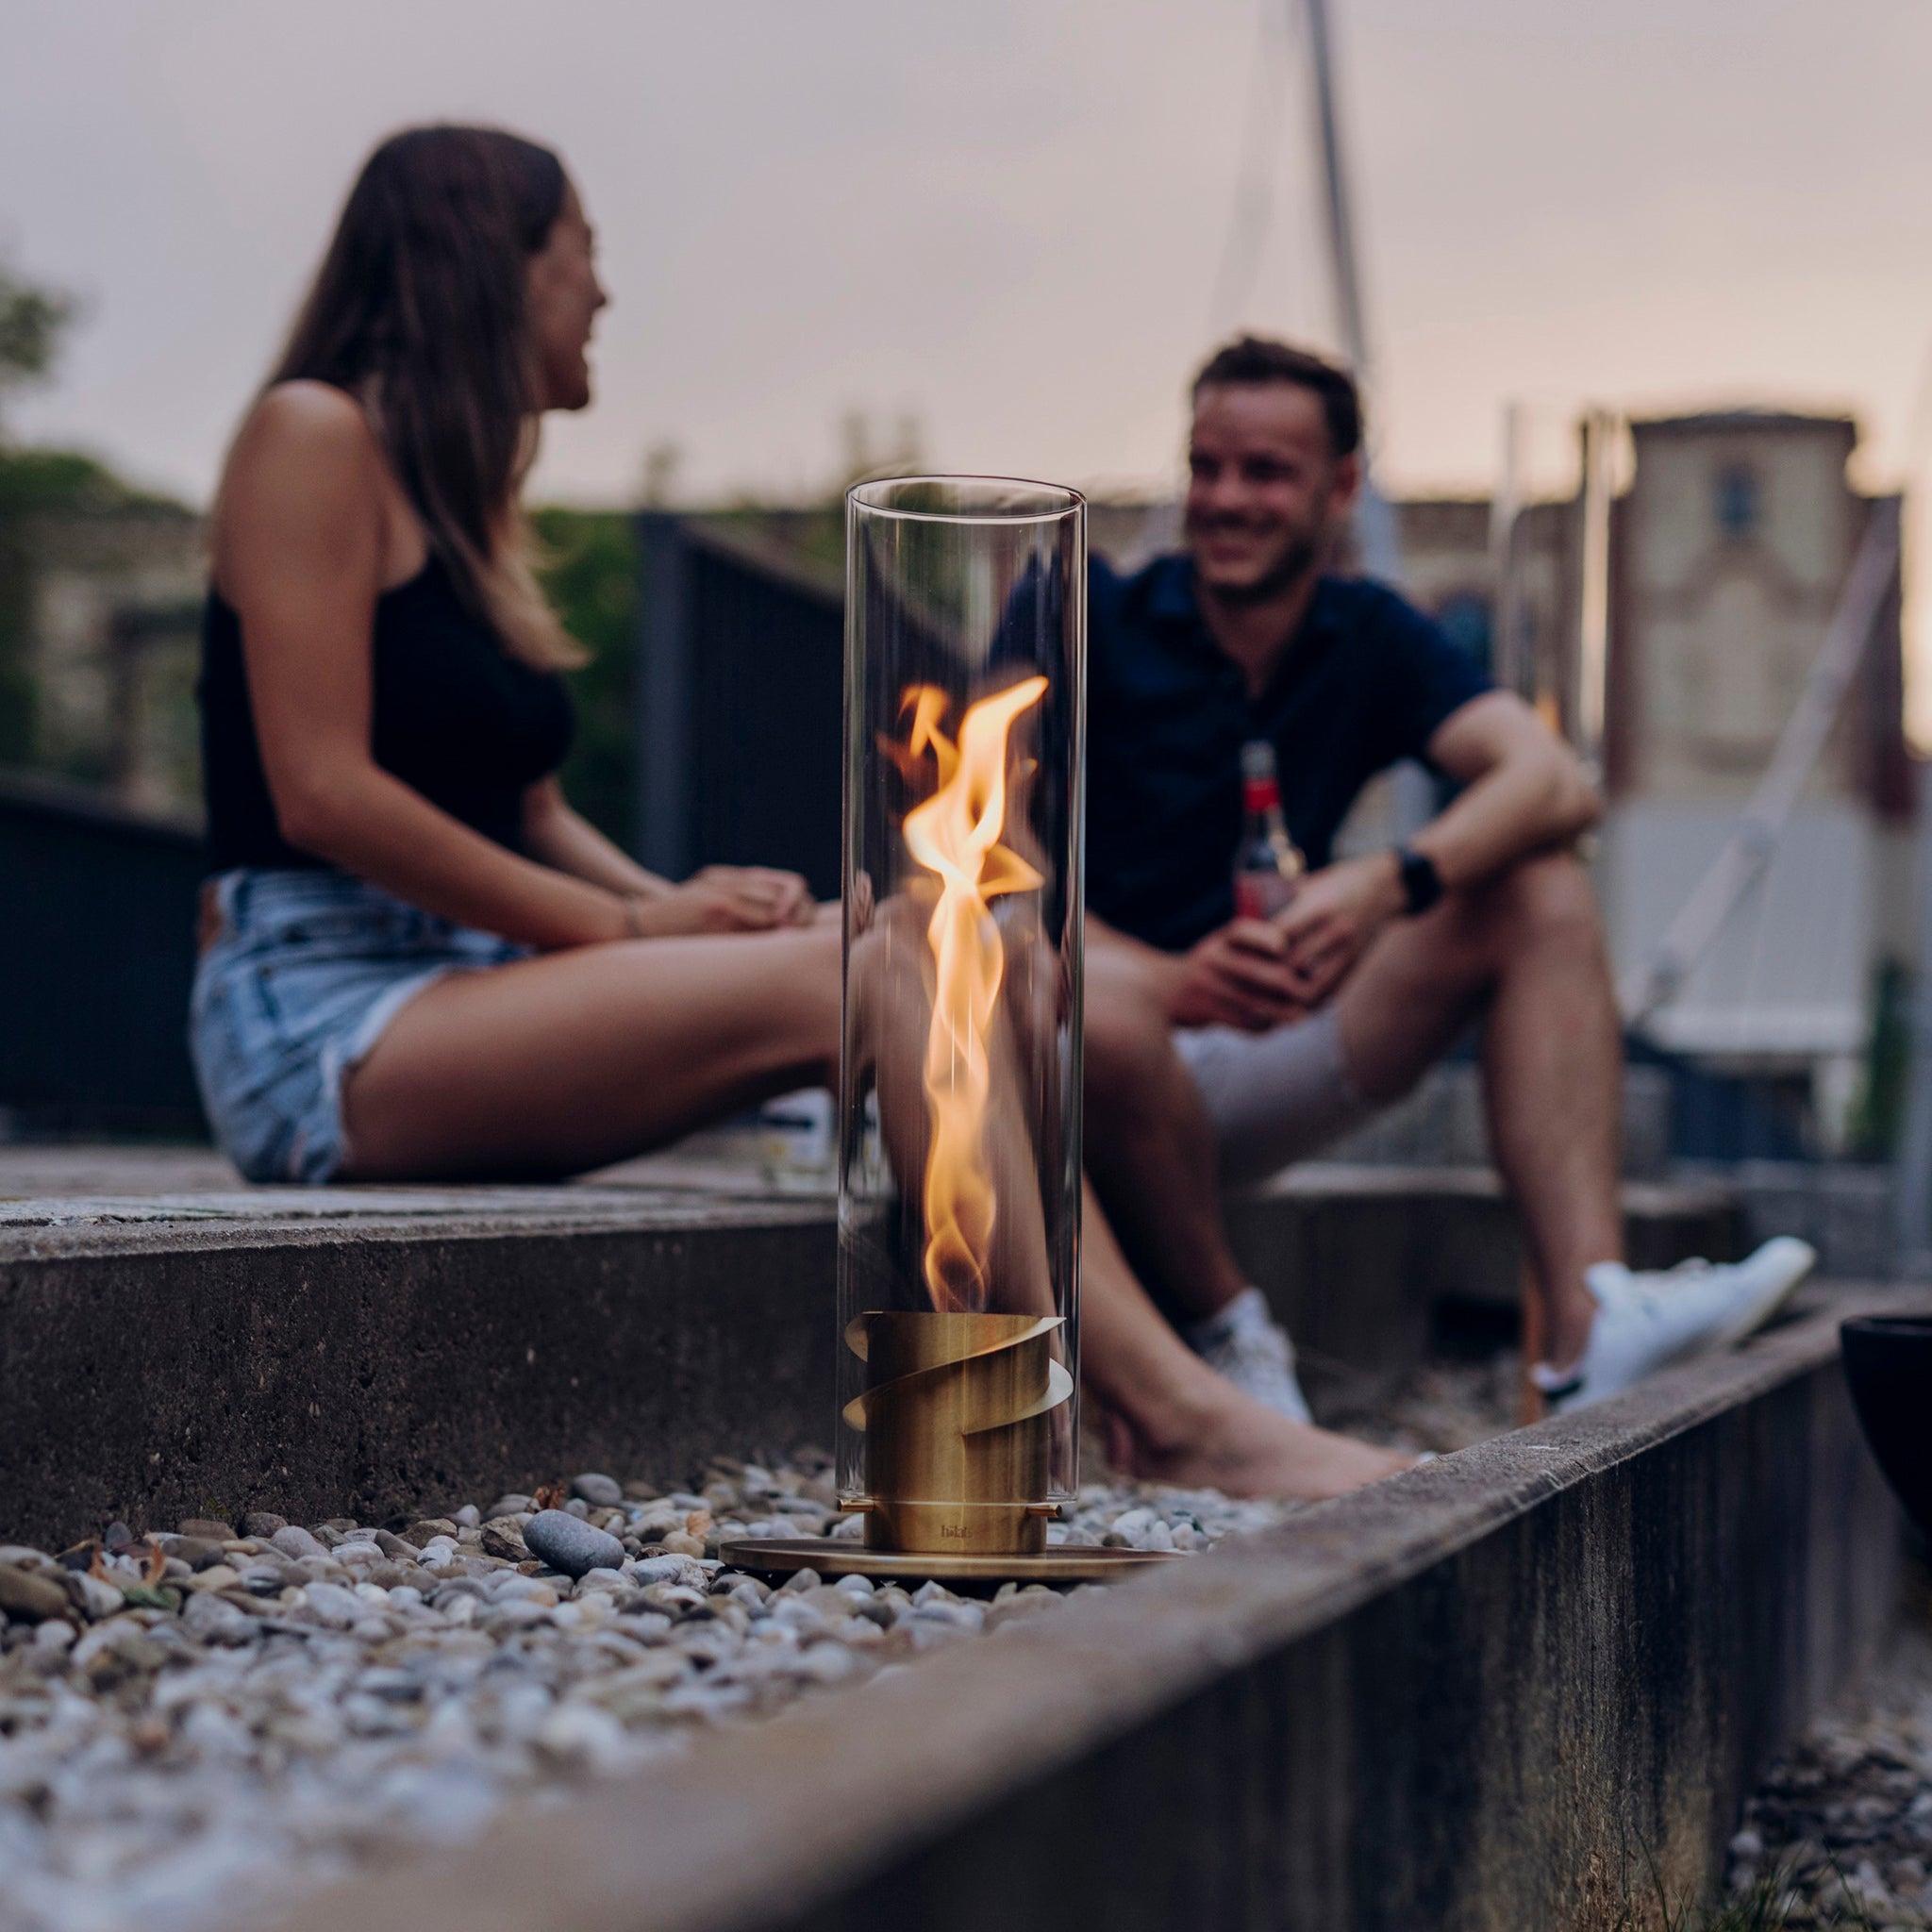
[[1348, 290], [1376, 534], [1374, 520]]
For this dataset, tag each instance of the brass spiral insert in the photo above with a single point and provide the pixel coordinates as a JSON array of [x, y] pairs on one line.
[[958, 1418]]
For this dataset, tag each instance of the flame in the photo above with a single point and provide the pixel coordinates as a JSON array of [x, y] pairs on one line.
[[954, 835]]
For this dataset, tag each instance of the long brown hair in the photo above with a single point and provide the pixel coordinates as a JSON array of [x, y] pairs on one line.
[[419, 312]]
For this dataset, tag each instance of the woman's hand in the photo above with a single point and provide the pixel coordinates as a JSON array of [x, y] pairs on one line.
[[725, 898]]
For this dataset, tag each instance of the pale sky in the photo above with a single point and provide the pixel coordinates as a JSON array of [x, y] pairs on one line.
[[1007, 216]]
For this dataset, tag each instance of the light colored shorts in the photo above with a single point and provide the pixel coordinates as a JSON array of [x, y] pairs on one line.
[[1275, 1097], [303, 971]]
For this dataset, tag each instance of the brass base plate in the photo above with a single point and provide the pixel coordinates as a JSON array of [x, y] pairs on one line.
[[837, 1556]]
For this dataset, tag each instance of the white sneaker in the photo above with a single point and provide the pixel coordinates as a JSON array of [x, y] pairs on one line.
[[1646, 1323], [1246, 1343]]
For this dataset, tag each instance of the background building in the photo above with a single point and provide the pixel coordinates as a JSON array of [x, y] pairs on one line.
[[1728, 551]]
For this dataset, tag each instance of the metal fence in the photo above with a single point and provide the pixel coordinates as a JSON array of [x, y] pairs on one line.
[[741, 656], [96, 956]]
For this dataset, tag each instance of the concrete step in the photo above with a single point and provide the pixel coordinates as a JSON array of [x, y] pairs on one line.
[[1358, 1259], [172, 1343], [1515, 1687], [372, 1350]]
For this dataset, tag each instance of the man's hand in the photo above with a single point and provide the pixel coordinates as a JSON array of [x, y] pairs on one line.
[[1239, 976], [1334, 914], [728, 898]]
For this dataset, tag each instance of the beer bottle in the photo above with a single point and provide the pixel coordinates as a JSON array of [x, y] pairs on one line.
[[1267, 865]]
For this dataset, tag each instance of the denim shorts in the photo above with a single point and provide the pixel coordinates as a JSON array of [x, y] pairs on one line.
[[305, 970]]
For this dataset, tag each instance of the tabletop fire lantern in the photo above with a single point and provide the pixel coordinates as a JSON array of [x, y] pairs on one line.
[[959, 1096]]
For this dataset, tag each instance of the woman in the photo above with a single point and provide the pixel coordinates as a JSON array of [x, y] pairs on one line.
[[418, 960]]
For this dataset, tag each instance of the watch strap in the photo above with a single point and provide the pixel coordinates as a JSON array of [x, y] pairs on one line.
[[1421, 884]]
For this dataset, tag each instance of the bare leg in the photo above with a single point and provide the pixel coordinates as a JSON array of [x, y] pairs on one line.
[[559, 1063], [1183, 1423], [1529, 943], [1150, 1146], [568, 1062], [1178, 1420]]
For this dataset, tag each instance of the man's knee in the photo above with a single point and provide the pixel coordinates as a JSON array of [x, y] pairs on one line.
[[1543, 901]]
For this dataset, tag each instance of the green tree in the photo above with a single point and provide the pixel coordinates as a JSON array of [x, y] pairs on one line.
[[588, 569], [32, 320]]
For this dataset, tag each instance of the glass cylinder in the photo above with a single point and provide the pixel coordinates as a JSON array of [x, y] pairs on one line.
[[959, 1096]]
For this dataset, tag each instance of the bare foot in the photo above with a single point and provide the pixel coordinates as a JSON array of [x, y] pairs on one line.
[[1244, 1449]]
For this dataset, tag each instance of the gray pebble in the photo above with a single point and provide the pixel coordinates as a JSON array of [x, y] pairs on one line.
[[796, 1614], [568, 1544], [688, 1571], [334, 1605], [961, 1616], [198, 1552], [32, 1599], [606, 1492], [295, 1541], [394, 1687], [91, 1594], [207, 1615]]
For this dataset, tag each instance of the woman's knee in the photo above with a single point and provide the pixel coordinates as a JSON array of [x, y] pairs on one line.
[[1129, 1043]]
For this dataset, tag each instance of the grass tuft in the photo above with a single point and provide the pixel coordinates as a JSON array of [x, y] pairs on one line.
[[1772, 1903]]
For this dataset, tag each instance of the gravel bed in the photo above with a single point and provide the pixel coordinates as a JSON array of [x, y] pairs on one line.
[[191, 1724], [1841, 1832], [194, 1724]]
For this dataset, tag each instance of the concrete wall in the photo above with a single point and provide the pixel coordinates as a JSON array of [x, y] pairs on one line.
[[1490, 1695], [170, 1370], [384, 1350]]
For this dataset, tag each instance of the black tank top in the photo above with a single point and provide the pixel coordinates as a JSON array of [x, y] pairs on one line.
[[453, 715]]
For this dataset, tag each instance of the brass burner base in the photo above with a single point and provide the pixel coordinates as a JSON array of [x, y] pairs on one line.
[[970, 1529], [837, 1556]]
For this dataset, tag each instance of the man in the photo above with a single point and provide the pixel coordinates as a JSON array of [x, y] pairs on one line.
[[1262, 1038]]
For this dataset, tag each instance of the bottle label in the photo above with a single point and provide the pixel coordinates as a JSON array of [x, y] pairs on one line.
[[1262, 894], [1259, 795]]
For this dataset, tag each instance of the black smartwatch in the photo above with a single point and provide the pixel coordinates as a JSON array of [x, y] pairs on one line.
[[1421, 884]]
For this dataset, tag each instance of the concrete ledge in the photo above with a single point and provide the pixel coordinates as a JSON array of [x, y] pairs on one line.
[[371, 1352], [1483, 1694], [376, 1350]]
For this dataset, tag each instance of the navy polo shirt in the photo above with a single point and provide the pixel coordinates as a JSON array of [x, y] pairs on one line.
[[1365, 683]]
